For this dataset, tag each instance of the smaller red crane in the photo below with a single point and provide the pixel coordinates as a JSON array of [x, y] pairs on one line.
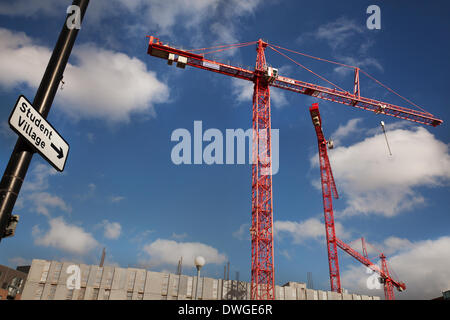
[[385, 278], [328, 191]]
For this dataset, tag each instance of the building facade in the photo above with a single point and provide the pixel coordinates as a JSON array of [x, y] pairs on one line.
[[53, 280], [9, 279]]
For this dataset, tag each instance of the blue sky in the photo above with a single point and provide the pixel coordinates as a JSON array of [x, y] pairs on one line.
[[119, 106]]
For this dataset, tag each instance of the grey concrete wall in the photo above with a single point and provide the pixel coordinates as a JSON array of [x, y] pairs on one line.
[[333, 296], [120, 283], [346, 296], [322, 295]]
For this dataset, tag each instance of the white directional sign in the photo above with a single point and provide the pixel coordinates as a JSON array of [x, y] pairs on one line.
[[28, 123]]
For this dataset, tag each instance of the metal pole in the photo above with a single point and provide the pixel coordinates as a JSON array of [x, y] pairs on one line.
[[22, 154], [196, 286]]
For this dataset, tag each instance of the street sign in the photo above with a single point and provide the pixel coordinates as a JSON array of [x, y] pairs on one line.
[[28, 123]]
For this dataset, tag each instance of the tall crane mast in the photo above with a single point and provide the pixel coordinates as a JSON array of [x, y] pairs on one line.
[[328, 191], [263, 77], [388, 282]]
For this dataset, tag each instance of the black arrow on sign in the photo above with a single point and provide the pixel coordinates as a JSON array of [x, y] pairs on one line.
[[58, 151]]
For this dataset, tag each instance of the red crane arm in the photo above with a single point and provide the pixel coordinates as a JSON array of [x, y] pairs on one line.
[[195, 60], [328, 187], [314, 111], [183, 58], [355, 254]]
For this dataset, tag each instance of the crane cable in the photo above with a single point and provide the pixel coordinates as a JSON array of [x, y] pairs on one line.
[[309, 56], [224, 46], [334, 85], [353, 67], [224, 49], [389, 89]]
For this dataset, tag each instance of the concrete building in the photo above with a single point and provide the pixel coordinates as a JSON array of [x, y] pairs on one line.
[[47, 280], [10, 278]]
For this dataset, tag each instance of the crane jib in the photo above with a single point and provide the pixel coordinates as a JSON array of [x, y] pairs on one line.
[[183, 57]]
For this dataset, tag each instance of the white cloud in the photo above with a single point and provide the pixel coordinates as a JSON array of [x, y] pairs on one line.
[[102, 84], [140, 237], [18, 261], [5, 131], [161, 14], [350, 43], [389, 246], [372, 182], [29, 8], [165, 14], [112, 230], [335, 33], [179, 236], [285, 254], [39, 176], [422, 265], [111, 85], [90, 137], [41, 202], [164, 18], [36, 197], [243, 232], [66, 237], [243, 91], [346, 130], [361, 63], [302, 231], [115, 199], [163, 251]]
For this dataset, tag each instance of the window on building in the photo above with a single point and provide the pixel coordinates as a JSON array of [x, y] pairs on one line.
[[69, 295], [165, 284], [106, 294], [5, 285], [95, 294], [81, 293], [140, 282], [98, 276], [45, 271], [51, 293], [131, 279], [38, 292], [57, 272], [84, 276], [140, 296], [109, 277], [189, 287], [129, 295]]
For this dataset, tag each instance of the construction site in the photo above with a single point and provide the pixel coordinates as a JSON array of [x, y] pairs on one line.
[[264, 77], [49, 279]]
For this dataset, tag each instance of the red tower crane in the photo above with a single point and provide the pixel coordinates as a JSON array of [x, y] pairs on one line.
[[388, 285], [388, 282], [263, 77], [328, 190]]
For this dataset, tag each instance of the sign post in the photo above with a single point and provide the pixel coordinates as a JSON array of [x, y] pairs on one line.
[[22, 154], [31, 126]]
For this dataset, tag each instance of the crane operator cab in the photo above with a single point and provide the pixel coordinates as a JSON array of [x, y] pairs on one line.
[[271, 74]]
